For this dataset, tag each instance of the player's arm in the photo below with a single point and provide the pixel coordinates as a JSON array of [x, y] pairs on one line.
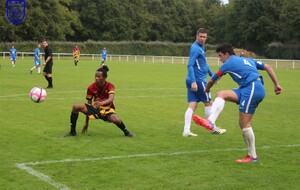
[[86, 125], [47, 60], [272, 75], [110, 99], [36, 56], [210, 73], [213, 80], [191, 72]]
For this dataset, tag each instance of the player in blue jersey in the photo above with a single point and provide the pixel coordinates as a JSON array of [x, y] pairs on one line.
[[244, 71], [37, 61], [103, 54], [13, 55], [198, 70]]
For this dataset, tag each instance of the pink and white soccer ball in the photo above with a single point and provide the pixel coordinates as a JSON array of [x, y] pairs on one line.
[[38, 94]]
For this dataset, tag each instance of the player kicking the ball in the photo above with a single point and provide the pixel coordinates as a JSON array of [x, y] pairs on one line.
[[103, 94], [251, 91]]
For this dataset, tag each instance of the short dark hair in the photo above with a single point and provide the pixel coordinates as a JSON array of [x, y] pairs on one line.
[[226, 47], [201, 30], [104, 69]]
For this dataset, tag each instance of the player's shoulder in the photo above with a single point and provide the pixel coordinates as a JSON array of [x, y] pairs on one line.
[[92, 86], [109, 83]]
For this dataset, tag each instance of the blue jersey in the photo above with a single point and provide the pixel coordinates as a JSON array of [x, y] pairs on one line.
[[197, 65], [13, 53], [242, 70], [103, 53], [37, 54]]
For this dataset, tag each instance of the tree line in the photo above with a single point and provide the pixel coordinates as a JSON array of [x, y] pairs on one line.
[[249, 24]]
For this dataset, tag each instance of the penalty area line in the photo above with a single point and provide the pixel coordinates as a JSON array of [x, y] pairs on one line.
[[60, 186]]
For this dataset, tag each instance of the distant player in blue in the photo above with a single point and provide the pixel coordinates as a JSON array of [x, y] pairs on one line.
[[244, 71], [37, 61], [198, 70], [103, 54], [13, 55]]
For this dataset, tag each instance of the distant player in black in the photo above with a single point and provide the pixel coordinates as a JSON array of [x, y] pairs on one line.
[[47, 72]]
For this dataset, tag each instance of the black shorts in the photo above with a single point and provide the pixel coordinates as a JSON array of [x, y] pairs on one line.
[[100, 113], [48, 68]]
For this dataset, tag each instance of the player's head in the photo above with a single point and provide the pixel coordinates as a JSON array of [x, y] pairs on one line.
[[224, 51], [101, 75], [104, 48], [226, 47], [45, 43], [201, 36], [104, 69], [38, 45], [12, 46]]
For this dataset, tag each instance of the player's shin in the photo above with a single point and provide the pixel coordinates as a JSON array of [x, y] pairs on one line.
[[249, 138], [73, 121], [216, 109], [123, 127]]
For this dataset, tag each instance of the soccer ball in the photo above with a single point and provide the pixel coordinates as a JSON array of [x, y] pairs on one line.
[[38, 94]]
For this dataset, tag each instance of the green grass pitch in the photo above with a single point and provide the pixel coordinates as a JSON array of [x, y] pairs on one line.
[[151, 100]]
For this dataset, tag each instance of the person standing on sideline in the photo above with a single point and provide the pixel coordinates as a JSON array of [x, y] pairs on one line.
[[37, 61], [13, 55], [196, 81], [100, 96], [76, 54], [103, 54], [47, 72], [251, 91]]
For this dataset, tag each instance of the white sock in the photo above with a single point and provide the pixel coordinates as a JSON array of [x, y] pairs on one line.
[[188, 120], [32, 68], [39, 69], [216, 109], [207, 110], [249, 139]]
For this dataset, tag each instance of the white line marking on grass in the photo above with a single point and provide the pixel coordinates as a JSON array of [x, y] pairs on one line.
[[42, 177], [47, 179]]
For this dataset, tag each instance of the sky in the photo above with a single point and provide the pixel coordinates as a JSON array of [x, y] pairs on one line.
[[225, 1]]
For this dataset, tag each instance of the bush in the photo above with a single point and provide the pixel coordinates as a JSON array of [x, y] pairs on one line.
[[122, 47]]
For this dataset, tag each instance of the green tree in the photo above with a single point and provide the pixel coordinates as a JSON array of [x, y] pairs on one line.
[[252, 24], [51, 19], [290, 21]]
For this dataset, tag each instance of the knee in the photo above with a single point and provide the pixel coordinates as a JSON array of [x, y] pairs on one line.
[[220, 94], [76, 108], [115, 119]]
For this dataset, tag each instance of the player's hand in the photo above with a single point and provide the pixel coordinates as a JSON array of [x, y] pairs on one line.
[[85, 129], [277, 90], [194, 86], [96, 105], [44, 63], [206, 90]]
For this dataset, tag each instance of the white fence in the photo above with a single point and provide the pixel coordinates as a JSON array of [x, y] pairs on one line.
[[276, 63]]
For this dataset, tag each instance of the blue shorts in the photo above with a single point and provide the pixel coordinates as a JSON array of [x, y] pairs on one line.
[[200, 95], [37, 62], [13, 58], [250, 96]]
